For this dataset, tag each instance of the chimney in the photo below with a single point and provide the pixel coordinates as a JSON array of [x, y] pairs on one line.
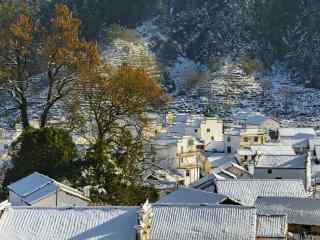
[[145, 218], [252, 163], [251, 167], [308, 172]]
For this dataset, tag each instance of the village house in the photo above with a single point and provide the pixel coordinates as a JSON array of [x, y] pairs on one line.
[[179, 153], [303, 214], [251, 137], [280, 167], [158, 221], [232, 140], [68, 223], [189, 196], [246, 191], [38, 190], [298, 138], [272, 226], [188, 159], [238, 138], [208, 130], [260, 121]]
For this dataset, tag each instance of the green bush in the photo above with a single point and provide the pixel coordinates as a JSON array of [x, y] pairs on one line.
[[250, 65], [49, 151]]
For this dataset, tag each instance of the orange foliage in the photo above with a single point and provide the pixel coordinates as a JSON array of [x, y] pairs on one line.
[[63, 45], [136, 85], [22, 29]]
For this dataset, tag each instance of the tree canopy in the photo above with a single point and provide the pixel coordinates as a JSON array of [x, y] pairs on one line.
[[48, 150]]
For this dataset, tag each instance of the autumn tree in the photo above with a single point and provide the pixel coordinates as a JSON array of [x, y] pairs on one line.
[[16, 49], [56, 51], [113, 113]]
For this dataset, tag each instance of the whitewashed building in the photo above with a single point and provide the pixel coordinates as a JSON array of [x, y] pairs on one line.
[[179, 153], [38, 190], [298, 138]]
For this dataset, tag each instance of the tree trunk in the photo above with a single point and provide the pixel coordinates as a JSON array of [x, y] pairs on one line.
[[24, 114], [44, 118]]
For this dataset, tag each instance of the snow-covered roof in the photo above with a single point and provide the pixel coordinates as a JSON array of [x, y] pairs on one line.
[[30, 184], [203, 222], [255, 119], [251, 131], [233, 132], [294, 142], [274, 150], [178, 129], [245, 152], [297, 132], [281, 162], [246, 191], [273, 226], [36, 186], [299, 210], [220, 159], [68, 223], [191, 196], [205, 183]]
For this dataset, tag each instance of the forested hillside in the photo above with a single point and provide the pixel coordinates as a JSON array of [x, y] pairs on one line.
[[268, 31]]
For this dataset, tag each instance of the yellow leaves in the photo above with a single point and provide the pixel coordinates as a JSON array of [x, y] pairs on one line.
[[22, 30], [65, 26]]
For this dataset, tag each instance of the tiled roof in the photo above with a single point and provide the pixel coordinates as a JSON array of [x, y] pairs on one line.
[[272, 226], [30, 184], [281, 162], [73, 223], [192, 196], [299, 210], [203, 222], [274, 150], [246, 191], [205, 183]]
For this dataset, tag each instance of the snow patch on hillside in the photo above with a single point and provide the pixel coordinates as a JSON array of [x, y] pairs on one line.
[[183, 69]]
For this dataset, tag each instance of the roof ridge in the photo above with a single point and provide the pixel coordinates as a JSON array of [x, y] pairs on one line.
[[260, 180], [222, 206]]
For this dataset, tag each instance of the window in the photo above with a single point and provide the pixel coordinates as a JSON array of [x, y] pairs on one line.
[[181, 160], [246, 158], [229, 149], [212, 138], [188, 173], [196, 130], [191, 142], [256, 139], [208, 130], [245, 139], [229, 139], [269, 171]]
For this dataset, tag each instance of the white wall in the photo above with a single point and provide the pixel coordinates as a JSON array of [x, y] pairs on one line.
[[194, 175], [66, 200], [234, 143], [15, 200], [216, 130], [166, 155], [285, 173], [60, 199]]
